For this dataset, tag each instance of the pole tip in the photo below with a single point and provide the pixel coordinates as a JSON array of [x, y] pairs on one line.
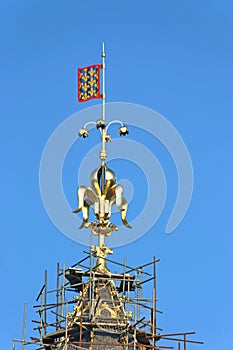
[[103, 53]]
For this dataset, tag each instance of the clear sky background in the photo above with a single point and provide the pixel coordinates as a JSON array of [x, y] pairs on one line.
[[172, 56]]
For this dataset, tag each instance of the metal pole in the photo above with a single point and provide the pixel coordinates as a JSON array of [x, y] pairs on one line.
[[63, 290], [124, 294], [135, 333], [66, 331], [41, 318], [90, 283], [154, 301], [184, 341], [24, 325], [45, 299], [139, 292], [153, 319], [81, 319], [103, 83], [57, 295], [103, 154], [128, 301], [179, 346]]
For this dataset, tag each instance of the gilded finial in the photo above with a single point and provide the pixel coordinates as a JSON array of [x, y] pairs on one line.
[[104, 191], [101, 196]]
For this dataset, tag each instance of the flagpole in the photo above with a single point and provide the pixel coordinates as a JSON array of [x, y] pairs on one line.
[[103, 86], [103, 153]]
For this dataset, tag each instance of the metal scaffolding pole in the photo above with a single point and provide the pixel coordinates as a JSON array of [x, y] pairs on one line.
[[154, 302], [24, 325], [45, 300], [90, 284], [63, 291], [66, 330], [57, 295]]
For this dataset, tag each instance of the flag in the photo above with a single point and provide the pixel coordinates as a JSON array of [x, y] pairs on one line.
[[89, 83]]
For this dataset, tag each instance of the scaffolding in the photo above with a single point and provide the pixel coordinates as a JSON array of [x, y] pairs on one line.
[[121, 307]]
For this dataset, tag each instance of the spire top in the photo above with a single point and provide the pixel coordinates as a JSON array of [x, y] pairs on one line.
[[104, 191]]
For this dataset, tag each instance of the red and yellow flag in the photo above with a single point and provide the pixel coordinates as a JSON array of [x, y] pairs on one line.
[[89, 82]]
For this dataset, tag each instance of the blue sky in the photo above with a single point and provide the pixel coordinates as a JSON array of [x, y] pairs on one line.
[[172, 56]]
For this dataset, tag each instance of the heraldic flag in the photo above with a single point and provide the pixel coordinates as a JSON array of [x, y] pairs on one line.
[[89, 82]]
